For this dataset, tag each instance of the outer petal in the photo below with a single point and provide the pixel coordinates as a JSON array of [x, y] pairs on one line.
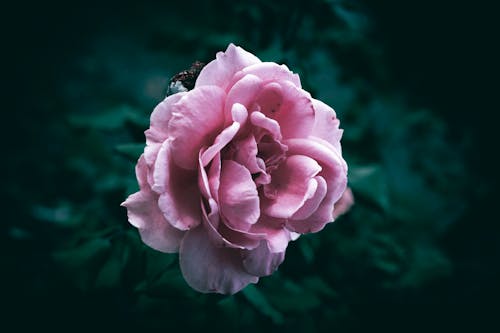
[[270, 72], [196, 120], [326, 125], [261, 261], [344, 204], [277, 236], [144, 214], [207, 268], [238, 197], [291, 186], [158, 129], [220, 71], [178, 190]]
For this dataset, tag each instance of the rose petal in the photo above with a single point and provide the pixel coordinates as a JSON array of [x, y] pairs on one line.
[[344, 203], [243, 92], [158, 129], [317, 221], [269, 72], [239, 115], [291, 186], [220, 71], [334, 172], [196, 120], [277, 236], [312, 204], [270, 125], [144, 214], [207, 268], [326, 125], [238, 197], [223, 236], [178, 191], [261, 261], [290, 106]]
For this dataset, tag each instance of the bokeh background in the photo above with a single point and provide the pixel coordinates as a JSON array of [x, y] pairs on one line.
[[410, 81]]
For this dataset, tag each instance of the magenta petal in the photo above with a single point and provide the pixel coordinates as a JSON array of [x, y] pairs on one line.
[[220, 71], [238, 197], [196, 120], [260, 261], [291, 186], [207, 268], [326, 125]]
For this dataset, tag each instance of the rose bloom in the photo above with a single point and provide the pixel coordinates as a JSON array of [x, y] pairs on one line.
[[236, 168]]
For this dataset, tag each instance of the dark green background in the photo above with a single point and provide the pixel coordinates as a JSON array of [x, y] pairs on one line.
[[413, 84]]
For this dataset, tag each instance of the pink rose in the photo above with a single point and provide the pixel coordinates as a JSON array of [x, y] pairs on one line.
[[236, 168]]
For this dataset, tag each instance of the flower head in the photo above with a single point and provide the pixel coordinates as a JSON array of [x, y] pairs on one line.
[[236, 168]]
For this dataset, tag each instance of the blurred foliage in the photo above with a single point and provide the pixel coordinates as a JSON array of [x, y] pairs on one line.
[[406, 173]]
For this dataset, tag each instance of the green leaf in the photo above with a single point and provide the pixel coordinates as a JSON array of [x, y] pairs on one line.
[[254, 296], [84, 261], [290, 296], [370, 182], [111, 119], [131, 150]]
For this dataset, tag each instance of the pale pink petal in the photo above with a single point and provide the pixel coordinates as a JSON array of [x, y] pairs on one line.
[[290, 106], [220, 142], [238, 197], [158, 129], [271, 126], [261, 261], [220, 71], [178, 191], [239, 116], [203, 182], [334, 172], [334, 167], [277, 236], [223, 236], [196, 121], [312, 204], [269, 72], [246, 154], [214, 176], [345, 203], [243, 92], [144, 214], [292, 184], [326, 125], [207, 268], [317, 221]]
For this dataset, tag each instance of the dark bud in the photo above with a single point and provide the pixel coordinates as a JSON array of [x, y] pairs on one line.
[[185, 80]]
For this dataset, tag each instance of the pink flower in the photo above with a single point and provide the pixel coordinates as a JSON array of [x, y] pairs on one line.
[[236, 168]]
